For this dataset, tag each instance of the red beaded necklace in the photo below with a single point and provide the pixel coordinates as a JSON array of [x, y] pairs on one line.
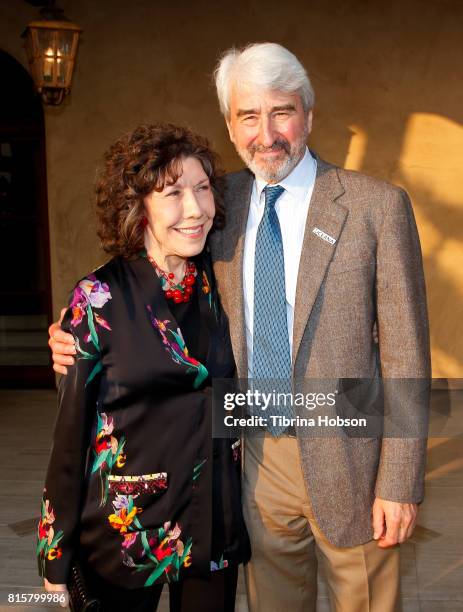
[[178, 292]]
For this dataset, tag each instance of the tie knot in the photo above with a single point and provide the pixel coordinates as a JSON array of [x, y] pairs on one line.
[[272, 193]]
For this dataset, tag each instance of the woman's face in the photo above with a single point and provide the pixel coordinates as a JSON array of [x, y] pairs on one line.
[[180, 216]]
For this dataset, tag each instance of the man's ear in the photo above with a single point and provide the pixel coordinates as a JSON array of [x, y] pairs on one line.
[[230, 130], [309, 121]]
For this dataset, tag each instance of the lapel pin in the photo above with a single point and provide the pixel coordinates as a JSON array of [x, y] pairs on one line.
[[318, 232]]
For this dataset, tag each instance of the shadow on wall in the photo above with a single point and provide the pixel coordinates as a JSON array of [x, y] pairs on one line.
[[423, 154]]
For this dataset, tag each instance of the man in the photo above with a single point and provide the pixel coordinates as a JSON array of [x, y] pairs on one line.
[[320, 273]]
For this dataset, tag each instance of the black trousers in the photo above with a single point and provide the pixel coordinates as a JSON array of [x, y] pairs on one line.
[[214, 594]]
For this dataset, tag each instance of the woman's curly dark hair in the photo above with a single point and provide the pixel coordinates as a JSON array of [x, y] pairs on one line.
[[135, 165]]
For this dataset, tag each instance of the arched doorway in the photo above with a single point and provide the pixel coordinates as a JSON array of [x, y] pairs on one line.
[[25, 292]]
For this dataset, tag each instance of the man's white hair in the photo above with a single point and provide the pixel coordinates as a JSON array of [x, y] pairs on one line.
[[264, 65]]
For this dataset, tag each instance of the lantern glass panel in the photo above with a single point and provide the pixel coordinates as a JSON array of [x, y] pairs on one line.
[[64, 40], [47, 48], [61, 69]]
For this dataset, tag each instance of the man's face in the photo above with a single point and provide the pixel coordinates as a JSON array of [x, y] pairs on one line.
[[269, 130]]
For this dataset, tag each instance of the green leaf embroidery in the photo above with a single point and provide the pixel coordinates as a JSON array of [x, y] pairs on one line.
[[197, 469], [41, 545], [147, 548], [137, 523], [178, 339], [157, 572], [91, 327], [102, 457], [56, 539], [200, 376], [83, 354], [98, 367]]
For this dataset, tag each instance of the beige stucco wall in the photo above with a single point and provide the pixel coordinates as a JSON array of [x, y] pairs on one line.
[[389, 87]]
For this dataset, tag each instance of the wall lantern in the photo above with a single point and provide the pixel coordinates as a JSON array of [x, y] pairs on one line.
[[51, 46]]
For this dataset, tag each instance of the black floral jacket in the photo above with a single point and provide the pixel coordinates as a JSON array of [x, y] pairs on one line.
[[133, 467]]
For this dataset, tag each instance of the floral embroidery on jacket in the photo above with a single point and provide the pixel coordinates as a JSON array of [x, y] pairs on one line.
[[48, 540], [125, 514], [206, 287], [236, 451], [108, 452], [163, 551], [90, 293], [175, 346], [197, 469], [221, 564]]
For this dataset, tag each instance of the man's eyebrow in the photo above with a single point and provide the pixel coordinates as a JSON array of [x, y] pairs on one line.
[[275, 109], [283, 107], [246, 111]]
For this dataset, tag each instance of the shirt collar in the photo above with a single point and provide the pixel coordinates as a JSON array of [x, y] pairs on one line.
[[299, 180]]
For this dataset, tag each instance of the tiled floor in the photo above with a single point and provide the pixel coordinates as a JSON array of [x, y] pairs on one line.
[[432, 561]]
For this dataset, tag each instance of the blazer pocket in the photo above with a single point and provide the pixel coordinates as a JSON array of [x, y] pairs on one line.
[[134, 502], [138, 485]]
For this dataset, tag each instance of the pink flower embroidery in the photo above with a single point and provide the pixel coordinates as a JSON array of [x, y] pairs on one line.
[[89, 291]]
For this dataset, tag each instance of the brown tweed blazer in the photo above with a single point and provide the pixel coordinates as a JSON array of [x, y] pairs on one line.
[[370, 279]]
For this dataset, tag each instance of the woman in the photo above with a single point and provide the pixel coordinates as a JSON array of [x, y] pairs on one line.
[[156, 499]]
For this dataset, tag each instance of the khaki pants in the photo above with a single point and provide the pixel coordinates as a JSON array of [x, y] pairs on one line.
[[282, 573]]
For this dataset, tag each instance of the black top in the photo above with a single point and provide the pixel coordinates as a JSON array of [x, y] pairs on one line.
[[155, 497]]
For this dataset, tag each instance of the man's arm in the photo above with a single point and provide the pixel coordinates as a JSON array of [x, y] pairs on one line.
[[62, 346], [404, 353]]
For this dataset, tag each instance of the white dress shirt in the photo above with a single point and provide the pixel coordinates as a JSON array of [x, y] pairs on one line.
[[292, 208]]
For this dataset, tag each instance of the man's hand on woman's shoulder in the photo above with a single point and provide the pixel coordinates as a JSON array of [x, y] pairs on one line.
[[62, 346]]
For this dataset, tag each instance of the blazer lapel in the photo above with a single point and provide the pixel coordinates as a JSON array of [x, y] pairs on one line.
[[228, 266], [327, 218]]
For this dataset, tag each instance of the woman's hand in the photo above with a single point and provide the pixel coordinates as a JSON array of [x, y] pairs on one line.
[[57, 588]]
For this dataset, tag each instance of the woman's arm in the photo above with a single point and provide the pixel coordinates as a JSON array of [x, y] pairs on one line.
[[77, 399]]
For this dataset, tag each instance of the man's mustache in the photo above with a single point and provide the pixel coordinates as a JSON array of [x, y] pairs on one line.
[[278, 145]]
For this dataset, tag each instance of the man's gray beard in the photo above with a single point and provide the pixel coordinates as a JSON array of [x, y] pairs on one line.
[[275, 171]]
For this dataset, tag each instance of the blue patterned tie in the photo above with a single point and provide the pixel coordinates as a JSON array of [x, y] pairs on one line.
[[271, 351]]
